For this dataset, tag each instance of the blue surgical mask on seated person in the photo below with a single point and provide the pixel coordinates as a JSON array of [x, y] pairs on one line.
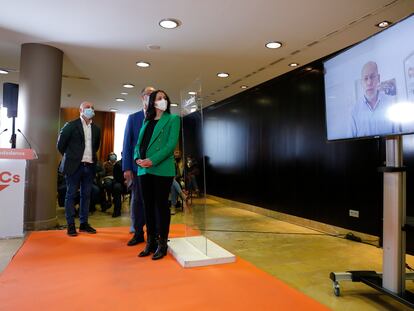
[[88, 113], [161, 104], [112, 157]]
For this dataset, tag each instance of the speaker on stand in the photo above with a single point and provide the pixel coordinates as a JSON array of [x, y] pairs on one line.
[[10, 97]]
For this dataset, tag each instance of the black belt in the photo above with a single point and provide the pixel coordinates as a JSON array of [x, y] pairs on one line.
[[86, 163]]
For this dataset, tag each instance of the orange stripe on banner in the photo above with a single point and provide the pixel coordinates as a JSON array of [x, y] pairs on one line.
[[99, 272]]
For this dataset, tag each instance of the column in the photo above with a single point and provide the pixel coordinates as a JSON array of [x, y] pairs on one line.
[[38, 118]]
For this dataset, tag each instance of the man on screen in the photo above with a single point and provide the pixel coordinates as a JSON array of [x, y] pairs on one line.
[[369, 116]]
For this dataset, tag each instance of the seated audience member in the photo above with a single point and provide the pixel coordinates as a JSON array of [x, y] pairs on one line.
[[108, 177], [191, 172], [118, 187], [100, 173], [177, 186], [176, 192]]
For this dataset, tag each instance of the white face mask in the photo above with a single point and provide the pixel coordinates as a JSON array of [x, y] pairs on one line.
[[161, 104]]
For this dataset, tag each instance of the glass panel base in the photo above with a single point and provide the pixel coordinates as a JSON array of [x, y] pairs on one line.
[[185, 252]]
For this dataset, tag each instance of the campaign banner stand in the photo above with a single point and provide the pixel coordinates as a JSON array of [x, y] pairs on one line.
[[13, 164]]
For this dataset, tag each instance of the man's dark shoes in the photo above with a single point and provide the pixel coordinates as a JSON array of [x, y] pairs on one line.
[[72, 230], [85, 227], [136, 239], [116, 214]]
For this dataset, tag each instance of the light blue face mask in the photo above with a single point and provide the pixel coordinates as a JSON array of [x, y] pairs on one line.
[[88, 113], [112, 157]]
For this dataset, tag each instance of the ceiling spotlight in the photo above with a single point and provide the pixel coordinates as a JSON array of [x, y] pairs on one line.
[[293, 64], [244, 87], [4, 72], [383, 24], [213, 101], [273, 45], [143, 64], [192, 93], [124, 93], [222, 74], [169, 23], [308, 68], [128, 85], [120, 99], [174, 105], [113, 110]]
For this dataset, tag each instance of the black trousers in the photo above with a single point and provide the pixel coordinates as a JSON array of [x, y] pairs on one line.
[[155, 190]]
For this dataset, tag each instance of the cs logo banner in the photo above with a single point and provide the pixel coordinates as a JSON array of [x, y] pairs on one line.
[[7, 178]]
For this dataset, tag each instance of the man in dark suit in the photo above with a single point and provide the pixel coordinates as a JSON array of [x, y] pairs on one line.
[[78, 143], [129, 167]]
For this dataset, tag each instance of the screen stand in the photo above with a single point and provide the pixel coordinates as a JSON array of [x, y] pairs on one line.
[[392, 280]]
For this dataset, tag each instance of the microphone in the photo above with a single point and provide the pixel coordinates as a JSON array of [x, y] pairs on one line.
[[4, 131], [30, 146]]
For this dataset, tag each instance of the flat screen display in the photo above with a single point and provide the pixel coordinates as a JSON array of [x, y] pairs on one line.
[[369, 88]]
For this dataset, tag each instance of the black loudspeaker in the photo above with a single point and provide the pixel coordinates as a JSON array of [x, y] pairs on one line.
[[10, 96]]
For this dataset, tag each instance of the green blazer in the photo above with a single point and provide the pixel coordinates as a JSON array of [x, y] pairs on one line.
[[161, 146]]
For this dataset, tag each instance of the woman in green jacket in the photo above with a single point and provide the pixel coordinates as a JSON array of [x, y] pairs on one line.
[[154, 154]]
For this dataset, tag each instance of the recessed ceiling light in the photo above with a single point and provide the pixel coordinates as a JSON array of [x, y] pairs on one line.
[[222, 74], [293, 64], [4, 72], [169, 23], [192, 93], [244, 87], [120, 99], [143, 64], [128, 85], [308, 68], [213, 101], [113, 110], [174, 105], [273, 45], [383, 24], [124, 93]]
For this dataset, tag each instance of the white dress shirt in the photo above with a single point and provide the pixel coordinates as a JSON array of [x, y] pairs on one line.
[[87, 131]]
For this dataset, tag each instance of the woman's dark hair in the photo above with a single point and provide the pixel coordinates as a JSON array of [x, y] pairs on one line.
[[151, 113]]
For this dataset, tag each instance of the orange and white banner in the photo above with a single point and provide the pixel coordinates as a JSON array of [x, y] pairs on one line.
[[12, 183]]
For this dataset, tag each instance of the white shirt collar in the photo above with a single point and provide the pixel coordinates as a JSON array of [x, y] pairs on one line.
[[84, 122]]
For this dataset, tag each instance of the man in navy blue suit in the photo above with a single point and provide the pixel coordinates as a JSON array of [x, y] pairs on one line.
[[129, 167]]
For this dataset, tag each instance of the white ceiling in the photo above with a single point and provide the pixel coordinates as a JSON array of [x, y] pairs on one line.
[[103, 39]]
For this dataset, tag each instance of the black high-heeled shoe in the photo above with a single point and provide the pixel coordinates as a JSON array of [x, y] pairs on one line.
[[161, 249], [150, 247]]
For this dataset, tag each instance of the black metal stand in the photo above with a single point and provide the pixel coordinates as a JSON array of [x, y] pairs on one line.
[[13, 136], [374, 280]]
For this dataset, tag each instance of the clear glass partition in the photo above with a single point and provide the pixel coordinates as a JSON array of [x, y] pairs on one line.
[[193, 164]]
